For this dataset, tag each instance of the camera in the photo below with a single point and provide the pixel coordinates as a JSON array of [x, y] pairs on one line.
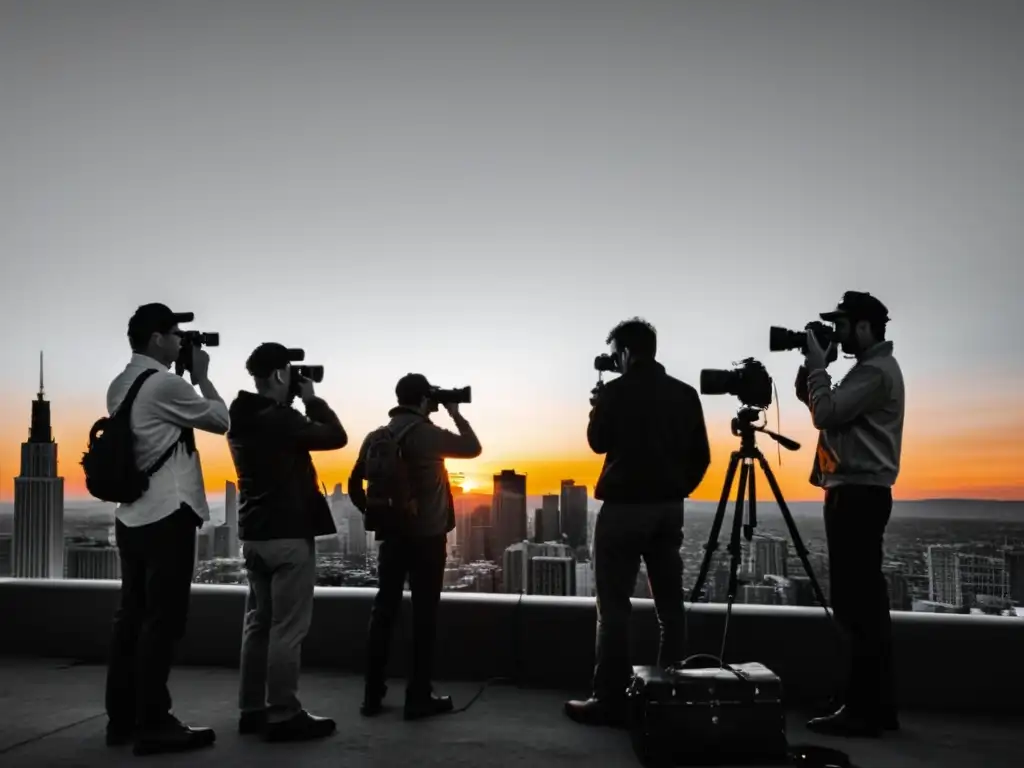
[[300, 373], [750, 382], [783, 339], [193, 340], [451, 396], [606, 364]]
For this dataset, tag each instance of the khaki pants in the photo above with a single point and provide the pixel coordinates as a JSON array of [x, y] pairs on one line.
[[278, 612]]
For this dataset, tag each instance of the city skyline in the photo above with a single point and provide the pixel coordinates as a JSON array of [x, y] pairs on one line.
[[368, 197]]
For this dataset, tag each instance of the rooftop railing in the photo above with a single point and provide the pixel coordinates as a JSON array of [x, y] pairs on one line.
[[942, 662]]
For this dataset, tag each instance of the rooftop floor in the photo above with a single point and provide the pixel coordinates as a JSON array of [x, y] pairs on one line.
[[53, 716]]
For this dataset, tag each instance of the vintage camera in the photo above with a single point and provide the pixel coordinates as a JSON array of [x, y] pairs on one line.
[[750, 382], [606, 364], [783, 339], [191, 340], [451, 396]]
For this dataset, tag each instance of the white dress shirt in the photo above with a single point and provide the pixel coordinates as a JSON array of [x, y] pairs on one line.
[[166, 403]]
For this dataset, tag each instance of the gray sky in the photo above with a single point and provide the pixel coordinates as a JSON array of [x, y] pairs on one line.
[[480, 190]]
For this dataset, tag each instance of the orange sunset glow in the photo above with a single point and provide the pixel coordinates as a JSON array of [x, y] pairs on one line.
[[959, 460]]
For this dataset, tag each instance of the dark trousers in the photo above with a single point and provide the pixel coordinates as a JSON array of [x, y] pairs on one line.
[[855, 521], [422, 559], [624, 534], [157, 565]]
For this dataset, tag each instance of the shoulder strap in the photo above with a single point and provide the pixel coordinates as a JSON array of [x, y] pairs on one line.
[[404, 431], [126, 405]]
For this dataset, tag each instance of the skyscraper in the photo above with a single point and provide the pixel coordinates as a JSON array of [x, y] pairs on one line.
[[508, 509], [231, 516], [574, 513], [38, 537], [545, 522]]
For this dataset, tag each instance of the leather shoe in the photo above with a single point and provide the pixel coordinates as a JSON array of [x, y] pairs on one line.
[[418, 707], [845, 723], [373, 699], [301, 727], [171, 736], [595, 711], [252, 722]]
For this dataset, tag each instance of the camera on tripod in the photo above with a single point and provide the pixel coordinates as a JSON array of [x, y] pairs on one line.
[[191, 340], [783, 339], [457, 396], [750, 382]]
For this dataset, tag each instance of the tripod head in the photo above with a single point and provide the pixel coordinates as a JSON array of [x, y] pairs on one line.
[[744, 425]]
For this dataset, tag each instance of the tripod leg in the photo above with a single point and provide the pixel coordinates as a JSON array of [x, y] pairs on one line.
[[798, 543], [748, 529], [716, 527], [735, 548]]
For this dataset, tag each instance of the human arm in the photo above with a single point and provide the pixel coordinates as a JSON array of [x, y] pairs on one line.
[[319, 430], [697, 450], [356, 492], [177, 402], [599, 428], [863, 389], [432, 440]]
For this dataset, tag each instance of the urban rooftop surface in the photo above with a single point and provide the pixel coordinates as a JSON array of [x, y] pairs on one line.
[[52, 674]]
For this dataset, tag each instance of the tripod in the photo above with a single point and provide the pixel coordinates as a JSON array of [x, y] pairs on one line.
[[743, 426]]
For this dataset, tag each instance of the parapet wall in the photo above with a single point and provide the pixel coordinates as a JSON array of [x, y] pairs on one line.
[[947, 662]]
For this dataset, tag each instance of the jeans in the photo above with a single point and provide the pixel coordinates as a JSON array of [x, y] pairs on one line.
[[422, 558], [624, 534], [855, 521], [157, 565], [278, 613]]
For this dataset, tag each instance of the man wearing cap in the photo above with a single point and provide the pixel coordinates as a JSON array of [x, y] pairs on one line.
[[860, 424], [420, 550], [280, 512], [156, 534]]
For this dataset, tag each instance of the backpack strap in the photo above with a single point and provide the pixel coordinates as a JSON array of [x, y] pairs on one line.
[[124, 411], [404, 431]]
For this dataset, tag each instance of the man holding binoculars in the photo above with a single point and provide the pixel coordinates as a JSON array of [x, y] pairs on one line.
[[281, 510]]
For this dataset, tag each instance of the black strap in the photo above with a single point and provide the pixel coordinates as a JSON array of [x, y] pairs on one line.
[[403, 431], [124, 410]]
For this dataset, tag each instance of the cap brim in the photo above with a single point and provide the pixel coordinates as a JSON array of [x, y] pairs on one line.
[[295, 355], [834, 315], [183, 317]]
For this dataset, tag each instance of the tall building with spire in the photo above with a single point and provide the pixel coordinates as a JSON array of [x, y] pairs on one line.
[[38, 537]]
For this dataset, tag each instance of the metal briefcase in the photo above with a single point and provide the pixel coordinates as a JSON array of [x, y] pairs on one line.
[[693, 715]]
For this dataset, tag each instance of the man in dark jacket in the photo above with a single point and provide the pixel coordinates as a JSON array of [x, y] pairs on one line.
[[651, 429], [419, 549], [281, 510]]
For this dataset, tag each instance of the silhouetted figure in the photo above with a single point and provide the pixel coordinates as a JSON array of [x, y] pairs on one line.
[[860, 425], [156, 535], [281, 511], [651, 429], [413, 534]]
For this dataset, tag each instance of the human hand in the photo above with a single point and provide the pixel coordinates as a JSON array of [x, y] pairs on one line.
[[200, 369], [816, 358]]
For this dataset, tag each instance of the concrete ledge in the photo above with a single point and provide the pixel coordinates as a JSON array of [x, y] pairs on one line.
[[944, 662]]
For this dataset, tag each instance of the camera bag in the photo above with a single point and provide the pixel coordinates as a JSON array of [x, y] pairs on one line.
[[707, 715]]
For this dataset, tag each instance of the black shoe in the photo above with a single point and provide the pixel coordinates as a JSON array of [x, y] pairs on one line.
[[594, 711], [302, 727], [118, 735], [845, 723], [171, 736], [373, 700], [252, 722], [418, 707]]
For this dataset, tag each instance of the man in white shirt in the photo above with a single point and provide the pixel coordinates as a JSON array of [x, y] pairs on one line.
[[156, 534]]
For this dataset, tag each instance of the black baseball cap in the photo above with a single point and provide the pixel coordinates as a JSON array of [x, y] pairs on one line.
[[269, 357], [155, 318], [858, 306], [412, 388]]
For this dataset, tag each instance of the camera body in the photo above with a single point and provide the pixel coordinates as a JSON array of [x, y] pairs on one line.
[[300, 373], [750, 382], [456, 396], [606, 364], [191, 340], [783, 339]]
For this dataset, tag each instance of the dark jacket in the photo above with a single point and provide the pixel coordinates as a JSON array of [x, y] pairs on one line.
[[426, 446], [279, 493], [859, 421], [651, 428]]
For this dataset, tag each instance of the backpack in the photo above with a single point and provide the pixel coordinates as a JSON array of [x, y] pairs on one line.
[[111, 473], [390, 498]]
